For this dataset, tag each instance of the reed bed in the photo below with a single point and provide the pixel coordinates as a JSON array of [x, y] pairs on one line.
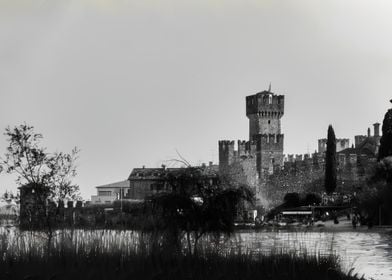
[[114, 254]]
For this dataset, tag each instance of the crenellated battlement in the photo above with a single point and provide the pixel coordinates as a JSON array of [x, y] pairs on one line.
[[264, 111], [266, 104], [229, 152], [226, 144], [246, 148], [317, 160]]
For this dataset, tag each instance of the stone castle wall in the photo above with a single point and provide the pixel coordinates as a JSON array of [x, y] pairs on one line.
[[265, 149], [305, 173], [300, 172]]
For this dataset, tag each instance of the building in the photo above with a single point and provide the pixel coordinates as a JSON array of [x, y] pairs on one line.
[[141, 183], [263, 152], [108, 193], [368, 144], [341, 144], [364, 144], [145, 182]]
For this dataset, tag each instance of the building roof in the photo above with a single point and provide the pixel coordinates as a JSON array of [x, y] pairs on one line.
[[121, 184], [368, 150], [348, 151], [159, 173], [149, 173]]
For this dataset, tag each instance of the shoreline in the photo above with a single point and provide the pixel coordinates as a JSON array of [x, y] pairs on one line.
[[328, 226]]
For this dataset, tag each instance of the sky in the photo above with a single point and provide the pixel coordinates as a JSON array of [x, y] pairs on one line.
[[131, 83]]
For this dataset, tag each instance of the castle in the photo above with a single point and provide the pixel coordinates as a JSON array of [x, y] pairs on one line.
[[261, 163], [263, 152]]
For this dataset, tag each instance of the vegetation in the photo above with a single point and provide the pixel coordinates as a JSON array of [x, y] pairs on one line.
[[303, 199], [386, 139], [374, 201], [330, 162], [210, 266], [292, 199], [26, 158], [45, 178], [199, 202], [128, 255], [312, 199]]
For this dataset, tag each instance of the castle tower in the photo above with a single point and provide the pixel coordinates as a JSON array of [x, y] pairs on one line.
[[226, 153], [264, 111]]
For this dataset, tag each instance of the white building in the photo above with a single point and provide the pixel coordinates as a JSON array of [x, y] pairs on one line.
[[106, 194]]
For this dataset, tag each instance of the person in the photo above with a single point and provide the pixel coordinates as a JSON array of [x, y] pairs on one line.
[[354, 221]]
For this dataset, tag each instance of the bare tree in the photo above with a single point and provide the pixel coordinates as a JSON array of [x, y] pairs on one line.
[[26, 158], [63, 169]]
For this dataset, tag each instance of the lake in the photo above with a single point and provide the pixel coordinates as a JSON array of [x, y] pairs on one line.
[[368, 252]]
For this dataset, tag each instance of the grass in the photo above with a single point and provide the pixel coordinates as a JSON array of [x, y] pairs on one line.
[[126, 255]]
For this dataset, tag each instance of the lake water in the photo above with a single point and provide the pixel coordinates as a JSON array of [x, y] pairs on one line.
[[369, 253]]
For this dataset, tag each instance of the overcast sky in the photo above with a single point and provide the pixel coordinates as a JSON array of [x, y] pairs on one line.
[[131, 82]]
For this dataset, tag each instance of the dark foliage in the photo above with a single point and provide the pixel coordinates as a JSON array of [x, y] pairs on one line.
[[386, 139], [374, 200], [383, 171], [312, 199], [292, 200], [330, 162], [95, 265], [199, 202]]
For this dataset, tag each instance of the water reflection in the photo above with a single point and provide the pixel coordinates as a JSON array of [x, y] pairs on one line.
[[368, 253]]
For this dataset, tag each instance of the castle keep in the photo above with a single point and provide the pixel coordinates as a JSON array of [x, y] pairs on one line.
[[264, 111], [263, 152]]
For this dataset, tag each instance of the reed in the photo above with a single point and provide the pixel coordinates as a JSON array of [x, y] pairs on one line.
[[109, 254]]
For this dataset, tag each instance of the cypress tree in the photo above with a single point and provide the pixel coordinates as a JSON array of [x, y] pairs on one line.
[[386, 138], [330, 162]]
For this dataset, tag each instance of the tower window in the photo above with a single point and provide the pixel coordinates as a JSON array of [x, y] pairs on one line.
[[270, 99], [269, 121]]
